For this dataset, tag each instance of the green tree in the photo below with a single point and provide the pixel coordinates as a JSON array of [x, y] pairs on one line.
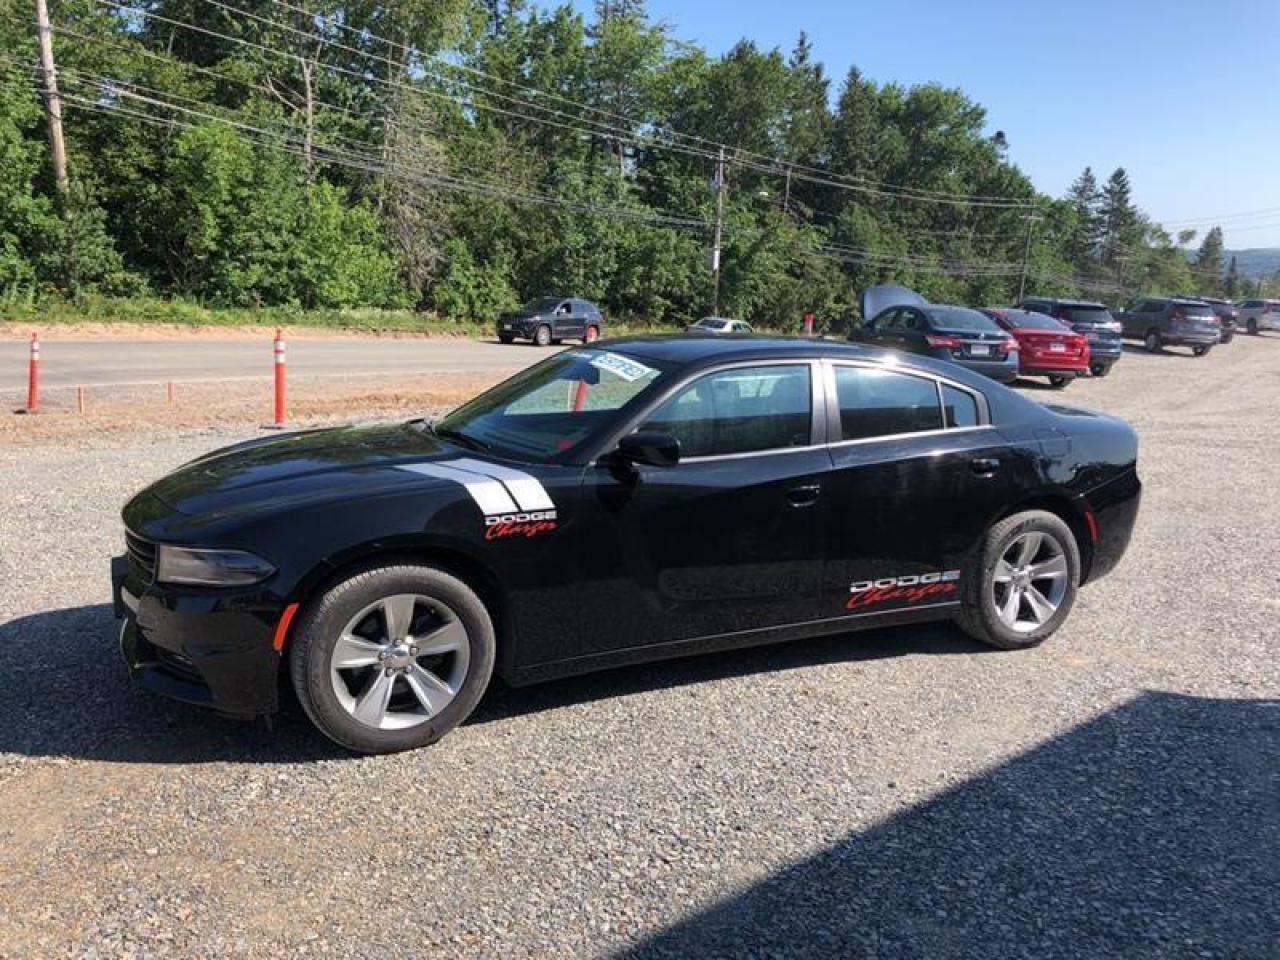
[[1210, 262], [1086, 234]]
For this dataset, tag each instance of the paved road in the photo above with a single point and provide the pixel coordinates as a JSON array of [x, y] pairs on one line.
[[99, 362]]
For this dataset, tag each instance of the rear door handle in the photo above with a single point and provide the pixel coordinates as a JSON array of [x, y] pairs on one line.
[[805, 496], [984, 466]]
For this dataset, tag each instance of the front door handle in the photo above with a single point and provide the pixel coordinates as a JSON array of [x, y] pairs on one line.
[[984, 466], [804, 496]]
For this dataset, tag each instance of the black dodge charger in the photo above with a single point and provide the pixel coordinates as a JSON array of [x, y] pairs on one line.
[[632, 500]]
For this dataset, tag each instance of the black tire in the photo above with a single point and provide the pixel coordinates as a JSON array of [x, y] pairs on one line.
[[1153, 341], [505, 338], [978, 616], [1252, 326], [1100, 369], [1058, 383], [1200, 351], [591, 335], [325, 618], [542, 336], [1228, 337]]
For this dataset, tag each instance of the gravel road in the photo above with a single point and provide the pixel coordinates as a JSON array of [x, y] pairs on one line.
[[1115, 793]]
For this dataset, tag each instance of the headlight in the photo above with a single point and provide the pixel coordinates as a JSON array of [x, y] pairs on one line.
[[210, 568]]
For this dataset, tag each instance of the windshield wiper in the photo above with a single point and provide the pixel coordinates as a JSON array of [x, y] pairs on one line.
[[458, 437]]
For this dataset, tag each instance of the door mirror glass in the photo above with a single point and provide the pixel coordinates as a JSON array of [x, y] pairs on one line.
[[656, 448]]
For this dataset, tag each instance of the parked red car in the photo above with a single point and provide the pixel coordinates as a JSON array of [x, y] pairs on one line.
[[1046, 347]]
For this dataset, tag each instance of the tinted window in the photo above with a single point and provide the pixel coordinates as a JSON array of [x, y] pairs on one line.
[[739, 411], [1029, 320], [961, 408], [1195, 309], [960, 318], [1086, 314], [542, 305], [880, 403]]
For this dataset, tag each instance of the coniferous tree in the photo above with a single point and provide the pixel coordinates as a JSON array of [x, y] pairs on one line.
[[1209, 262], [1231, 286], [1086, 235], [1120, 223]]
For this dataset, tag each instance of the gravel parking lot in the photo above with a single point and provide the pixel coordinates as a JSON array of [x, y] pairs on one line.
[[1115, 793]]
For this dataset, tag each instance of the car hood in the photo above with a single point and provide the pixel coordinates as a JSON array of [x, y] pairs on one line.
[[876, 299], [298, 466]]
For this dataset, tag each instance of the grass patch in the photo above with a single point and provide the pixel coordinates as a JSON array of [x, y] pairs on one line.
[[176, 312]]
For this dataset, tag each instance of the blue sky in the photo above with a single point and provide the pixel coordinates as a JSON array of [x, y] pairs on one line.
[[1185, 95]]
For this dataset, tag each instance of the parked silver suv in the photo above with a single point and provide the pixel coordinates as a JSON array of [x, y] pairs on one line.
[[1257, 315]]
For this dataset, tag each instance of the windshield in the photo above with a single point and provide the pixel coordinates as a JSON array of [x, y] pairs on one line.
[[1030, 320], [541, 305], [713, 323], [555, 407], [960, 318], [1086, 315]]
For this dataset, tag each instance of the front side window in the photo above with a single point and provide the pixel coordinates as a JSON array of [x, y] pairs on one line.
[[740, 410], [555, 407], [881, 403]]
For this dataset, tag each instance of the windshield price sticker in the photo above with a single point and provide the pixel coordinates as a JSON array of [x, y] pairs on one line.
[[629, 370]]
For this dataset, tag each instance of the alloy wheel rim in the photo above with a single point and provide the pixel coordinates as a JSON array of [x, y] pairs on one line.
[[400, 661], [1030, 581]]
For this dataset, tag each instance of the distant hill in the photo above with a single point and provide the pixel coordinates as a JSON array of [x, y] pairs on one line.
[[1259, 263]]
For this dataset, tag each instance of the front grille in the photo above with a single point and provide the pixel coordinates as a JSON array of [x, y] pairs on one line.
[[177, 665], [142, 555]]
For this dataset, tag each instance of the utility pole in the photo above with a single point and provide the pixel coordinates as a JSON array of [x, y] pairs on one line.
[[52, 103], [1026, 257], [786, 196], [715, 247]]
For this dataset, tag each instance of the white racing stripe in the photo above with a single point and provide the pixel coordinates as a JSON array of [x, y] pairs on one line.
[[528, 492], [489, 494]]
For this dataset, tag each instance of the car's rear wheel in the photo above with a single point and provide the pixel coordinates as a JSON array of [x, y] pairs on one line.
[[542, 336], [505, 337], [1020, 585], [1152, 341], [1200, 351], [592, 335], [1100, 369], [392, 658], [1059, 382], [1252, 326]]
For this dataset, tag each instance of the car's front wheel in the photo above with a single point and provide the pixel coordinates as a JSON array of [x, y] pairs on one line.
[[1152, 341], [542, 336], [1199, 351], [1252, 326], [1100, 369], [1059, 382], [592, 334], [1019, 586], [392, 658]]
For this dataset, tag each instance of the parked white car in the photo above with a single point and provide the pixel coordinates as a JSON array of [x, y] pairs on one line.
[[1258, 315]]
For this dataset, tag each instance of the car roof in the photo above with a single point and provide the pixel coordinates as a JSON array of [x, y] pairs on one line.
[[693, 351], [1093, 304]]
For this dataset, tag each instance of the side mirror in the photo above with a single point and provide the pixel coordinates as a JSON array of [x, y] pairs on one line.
[[653, 447]]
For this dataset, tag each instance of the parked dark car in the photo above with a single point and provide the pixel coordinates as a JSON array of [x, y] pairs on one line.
[[903, 320], [1161, 322], [1046, 348], [1227, 316], [1089, 318], [635, 501], [549, 320]]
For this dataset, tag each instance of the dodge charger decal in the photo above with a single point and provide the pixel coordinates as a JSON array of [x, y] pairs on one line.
[[513, 502], [909, 589]]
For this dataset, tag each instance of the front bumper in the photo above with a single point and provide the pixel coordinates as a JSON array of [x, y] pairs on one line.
[[212, 648]]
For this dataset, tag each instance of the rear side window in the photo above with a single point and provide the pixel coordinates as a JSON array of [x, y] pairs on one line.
[[881, 403], [959, 407], [742, 410]]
